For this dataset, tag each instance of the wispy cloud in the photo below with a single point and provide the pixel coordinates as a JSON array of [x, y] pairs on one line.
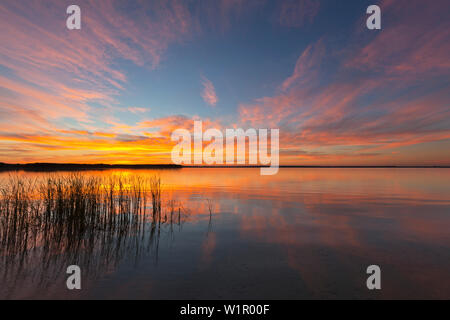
[[136, 110], [403, 102], [296, 13], [209, 92], [377, 98], [148, 141], [52, 78]]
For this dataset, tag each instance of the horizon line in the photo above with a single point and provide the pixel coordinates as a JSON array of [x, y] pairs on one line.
[[84, 166]]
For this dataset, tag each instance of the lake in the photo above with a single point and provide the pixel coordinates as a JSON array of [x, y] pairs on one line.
[[305, 233]]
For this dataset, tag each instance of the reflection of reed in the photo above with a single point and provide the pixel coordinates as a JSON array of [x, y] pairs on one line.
[[210, 210], [92, 222]]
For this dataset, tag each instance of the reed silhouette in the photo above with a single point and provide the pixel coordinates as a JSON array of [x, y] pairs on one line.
[[48, 224]]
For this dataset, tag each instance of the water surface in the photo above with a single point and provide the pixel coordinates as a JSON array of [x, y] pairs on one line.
[[304, 233]]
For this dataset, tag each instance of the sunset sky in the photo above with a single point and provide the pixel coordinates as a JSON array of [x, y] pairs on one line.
[[114, 91]]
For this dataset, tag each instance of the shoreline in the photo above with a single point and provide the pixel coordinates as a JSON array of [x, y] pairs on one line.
[[42, 167]]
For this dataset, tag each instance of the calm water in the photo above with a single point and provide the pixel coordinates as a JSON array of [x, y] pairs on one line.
[[304, 233]]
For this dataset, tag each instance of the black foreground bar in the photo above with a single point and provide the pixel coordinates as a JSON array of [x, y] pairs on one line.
[[274, 309]]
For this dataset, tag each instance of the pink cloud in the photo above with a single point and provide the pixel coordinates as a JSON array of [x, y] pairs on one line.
[[385, 94], [55, 75], [209, 92], [414, 41], [306, 67]]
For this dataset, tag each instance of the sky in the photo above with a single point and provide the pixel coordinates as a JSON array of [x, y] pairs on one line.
[[114, 91]]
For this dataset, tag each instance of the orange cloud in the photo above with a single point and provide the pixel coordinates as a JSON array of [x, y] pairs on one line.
[[123, 144]]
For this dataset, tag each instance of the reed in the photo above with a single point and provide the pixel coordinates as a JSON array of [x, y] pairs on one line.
[[155, 189], [90, 221], [77, 203]]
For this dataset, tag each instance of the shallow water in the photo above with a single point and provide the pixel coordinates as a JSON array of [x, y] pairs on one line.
[[304, 233]]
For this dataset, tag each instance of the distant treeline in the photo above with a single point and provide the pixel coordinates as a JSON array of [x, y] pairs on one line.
[[78, 167]]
